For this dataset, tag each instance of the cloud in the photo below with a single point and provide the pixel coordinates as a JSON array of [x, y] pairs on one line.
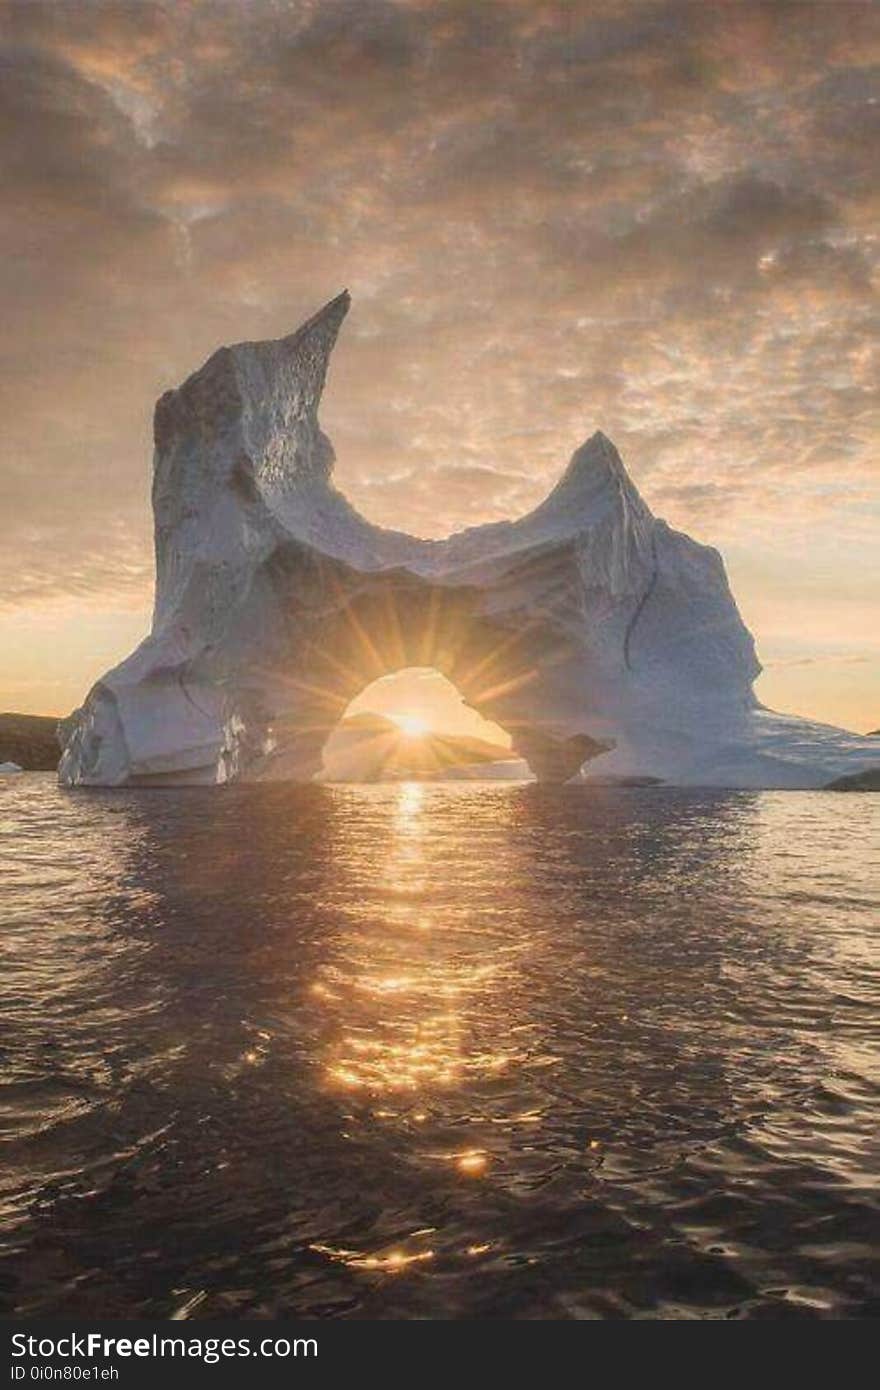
[[827, 658], [553, 215]]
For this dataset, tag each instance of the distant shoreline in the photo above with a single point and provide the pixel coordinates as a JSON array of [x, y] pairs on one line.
[[30, 740]]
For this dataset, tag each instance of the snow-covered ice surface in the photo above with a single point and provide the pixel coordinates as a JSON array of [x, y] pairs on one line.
[[589, 629]]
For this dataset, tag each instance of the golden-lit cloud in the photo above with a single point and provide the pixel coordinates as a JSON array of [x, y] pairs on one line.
[[553, 215]]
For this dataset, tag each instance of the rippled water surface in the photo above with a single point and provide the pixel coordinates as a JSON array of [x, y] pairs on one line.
[[438, 1050]]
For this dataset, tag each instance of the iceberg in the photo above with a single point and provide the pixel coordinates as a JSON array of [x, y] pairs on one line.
[[600, 638]]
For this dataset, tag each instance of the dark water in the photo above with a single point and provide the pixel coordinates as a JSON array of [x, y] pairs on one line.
[[438, 1051]]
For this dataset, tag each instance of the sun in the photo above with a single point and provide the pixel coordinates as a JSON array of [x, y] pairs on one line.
[[410, 725]]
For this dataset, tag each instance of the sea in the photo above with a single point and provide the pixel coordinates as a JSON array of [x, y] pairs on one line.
[[438, 1051]]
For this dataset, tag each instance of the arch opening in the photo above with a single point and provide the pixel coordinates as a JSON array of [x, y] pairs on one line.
[[413, 724], [519, 674]]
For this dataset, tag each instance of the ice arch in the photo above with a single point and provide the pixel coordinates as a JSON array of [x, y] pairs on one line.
[[415, 724], [586, 628], [423, 694]]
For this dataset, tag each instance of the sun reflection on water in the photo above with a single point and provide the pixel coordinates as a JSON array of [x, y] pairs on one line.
[[409, 803], [422, 971], [388, 1262]]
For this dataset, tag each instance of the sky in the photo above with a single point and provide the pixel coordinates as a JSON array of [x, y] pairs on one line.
[[657, 219]]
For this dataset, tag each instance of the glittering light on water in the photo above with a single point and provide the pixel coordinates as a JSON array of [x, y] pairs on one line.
[[473, 1163], [389, 1262]]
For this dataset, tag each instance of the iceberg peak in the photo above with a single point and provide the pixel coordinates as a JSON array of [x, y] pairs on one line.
[[597, 460], [316, 337]]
